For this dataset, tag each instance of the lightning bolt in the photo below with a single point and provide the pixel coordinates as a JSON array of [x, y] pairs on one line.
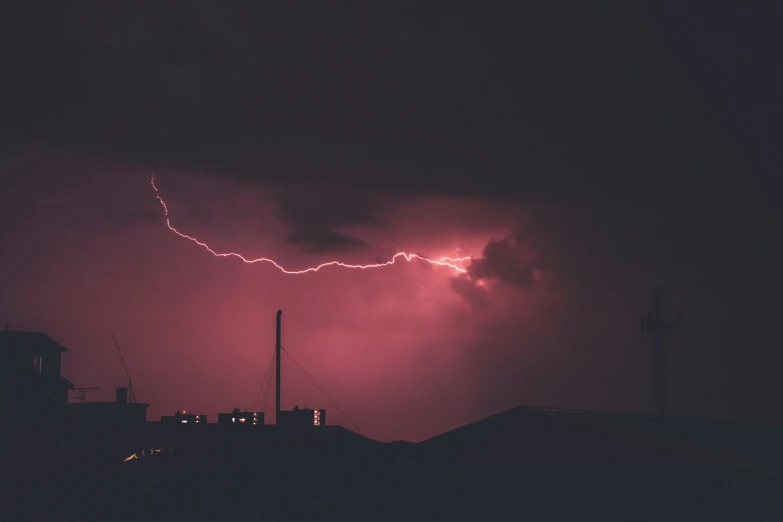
[[450, 262], [459, 259]]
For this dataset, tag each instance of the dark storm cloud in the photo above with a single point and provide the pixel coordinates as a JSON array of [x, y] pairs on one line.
[[180, 37], [65, 88], [503, 259], [313, 215], [506, 267], [538, 99], [316, 240], [197, 210], [469, 291], [508, 262], [420, 95], [122, 215], [588, 244], [385, 26], [307, 207], [201, 214]]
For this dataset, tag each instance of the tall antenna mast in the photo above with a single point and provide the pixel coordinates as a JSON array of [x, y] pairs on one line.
[[277, 369], [656, 324], [127, 373]]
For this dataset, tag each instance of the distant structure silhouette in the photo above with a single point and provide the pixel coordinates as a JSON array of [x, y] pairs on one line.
[[105, 412], [297, 417], [277, 368], [246, 419], [656, 324], [127, 373], [31, 386], [242, 418], [183, 417], [302, 417], [83, 391], [30, 380]]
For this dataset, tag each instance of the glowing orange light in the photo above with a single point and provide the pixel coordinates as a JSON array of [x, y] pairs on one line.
[[450, 262], [143, 454]]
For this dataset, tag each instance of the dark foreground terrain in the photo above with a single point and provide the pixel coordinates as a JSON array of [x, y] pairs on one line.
[[524, 464]]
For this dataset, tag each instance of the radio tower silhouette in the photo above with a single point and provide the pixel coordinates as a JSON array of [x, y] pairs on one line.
[[277, 368], [656, 324]]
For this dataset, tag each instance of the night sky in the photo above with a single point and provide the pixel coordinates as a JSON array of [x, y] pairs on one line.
[[578, 152]]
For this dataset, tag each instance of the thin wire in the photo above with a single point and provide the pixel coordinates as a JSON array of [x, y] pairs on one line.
[[267, 387], [127, 373], [264, 381], [266, 378], [323, 392]]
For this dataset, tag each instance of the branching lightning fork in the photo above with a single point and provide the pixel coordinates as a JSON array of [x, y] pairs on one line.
[[450, 262]]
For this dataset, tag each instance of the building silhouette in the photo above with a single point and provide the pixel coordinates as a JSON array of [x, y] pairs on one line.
[[30, 380], [120, 411], [302, 417], [181, 418], [241, 418]]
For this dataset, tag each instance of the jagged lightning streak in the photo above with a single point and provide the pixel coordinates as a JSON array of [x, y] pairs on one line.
[[450, 262]]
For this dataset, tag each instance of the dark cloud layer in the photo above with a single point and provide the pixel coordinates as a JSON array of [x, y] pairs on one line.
[[123, 215], [314, 240], [469, 291], [505, 260], [606, 102], [313, 216], [180, 37], [203, 215], [393, 95]]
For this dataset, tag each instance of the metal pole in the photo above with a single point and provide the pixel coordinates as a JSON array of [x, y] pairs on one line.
[[277, 370], [660, 364], [656, 324]]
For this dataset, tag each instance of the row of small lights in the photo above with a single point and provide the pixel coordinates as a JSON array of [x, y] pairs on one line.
[[233, 419], [242, 419], [185, 421], [316, 418]]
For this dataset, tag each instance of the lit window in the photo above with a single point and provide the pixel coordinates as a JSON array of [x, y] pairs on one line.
[[233, 419], [184, 422], [242, 419]]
